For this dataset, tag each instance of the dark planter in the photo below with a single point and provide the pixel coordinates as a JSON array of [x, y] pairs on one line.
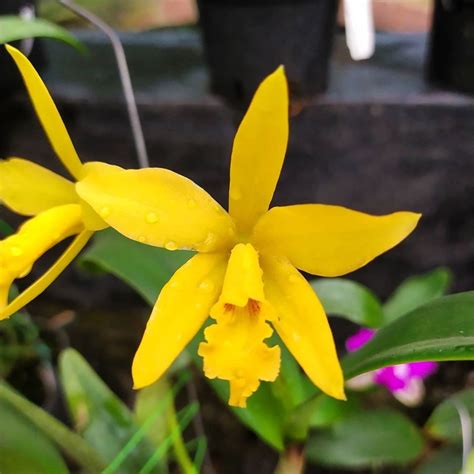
[[10, 80], [247, 39], [451, 55]]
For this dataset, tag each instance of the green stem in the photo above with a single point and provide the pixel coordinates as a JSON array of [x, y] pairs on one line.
[[71, 443], [182, 456], [292, 460]]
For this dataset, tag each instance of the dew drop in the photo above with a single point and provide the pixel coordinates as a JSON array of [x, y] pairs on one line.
[[151, 218], [192, 204], [210, 239], [105, 212], [235, 193], [179, 337], [171, 245], [206, 286], [16, 251], [240, 373], [141, 238], [293, 278], [198, 305], [296, 337]]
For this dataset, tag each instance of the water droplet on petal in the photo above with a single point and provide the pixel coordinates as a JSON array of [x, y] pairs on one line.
[[179, 337], [105, 212], [151, 218], [210, 239], [206, 285], [192, 204], [296, 337], [171, 245], [16, 251], [235, 193], [198, 305], [293, 278], [141, 238], [240, 373]]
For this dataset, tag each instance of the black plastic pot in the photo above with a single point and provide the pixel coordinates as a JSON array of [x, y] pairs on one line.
[[451, 54], [247, 39]]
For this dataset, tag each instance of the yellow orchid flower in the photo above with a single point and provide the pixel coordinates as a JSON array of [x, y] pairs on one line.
[[31, 190], [245, 273]]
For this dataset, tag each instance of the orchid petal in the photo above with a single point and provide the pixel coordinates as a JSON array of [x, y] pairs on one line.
[[28, 188], [330, 240], [157, 207], [48, 114], [302, 325], [259, 151], [181, 309]]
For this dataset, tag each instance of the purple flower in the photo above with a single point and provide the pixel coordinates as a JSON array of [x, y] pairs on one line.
[[405, 381]]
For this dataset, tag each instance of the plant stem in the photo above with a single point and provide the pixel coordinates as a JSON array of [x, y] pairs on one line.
[[70, 442], [292, 460], [181, 454]]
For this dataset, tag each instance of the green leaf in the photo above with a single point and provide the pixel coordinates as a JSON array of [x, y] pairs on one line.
[[290, 386], [328, 410], [71, 443], [372, 438], [99, 415], [441, 330], [5, 229], [350, 300], [23, 448], [149, 400], [417, 291], [13, 28], [447, 460], [144, 268], [444, 422]]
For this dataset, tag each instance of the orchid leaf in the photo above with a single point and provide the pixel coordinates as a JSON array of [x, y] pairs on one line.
[[144, 268], [13, 28], [349, 299], [99, 415], [416, 291], [445, 423], [5, 229], [447, 460], [24, 448], [367, 439], [438, 331]]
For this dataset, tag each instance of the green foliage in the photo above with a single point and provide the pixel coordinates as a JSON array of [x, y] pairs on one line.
[[144, 268], [438, 331], [23, 448], [416, 291], [444, 422], [349, 299], [98, 414], [71, 443], [447, 460], [13, 28], [367, 439]]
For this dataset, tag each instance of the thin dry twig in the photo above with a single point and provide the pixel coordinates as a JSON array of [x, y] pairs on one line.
[[124, 74]]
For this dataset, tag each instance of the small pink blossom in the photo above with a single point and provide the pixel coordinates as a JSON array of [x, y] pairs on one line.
[[405, 381]]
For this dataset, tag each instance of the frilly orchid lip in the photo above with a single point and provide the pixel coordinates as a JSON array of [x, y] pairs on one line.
[[50, 201], [248, 258]]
